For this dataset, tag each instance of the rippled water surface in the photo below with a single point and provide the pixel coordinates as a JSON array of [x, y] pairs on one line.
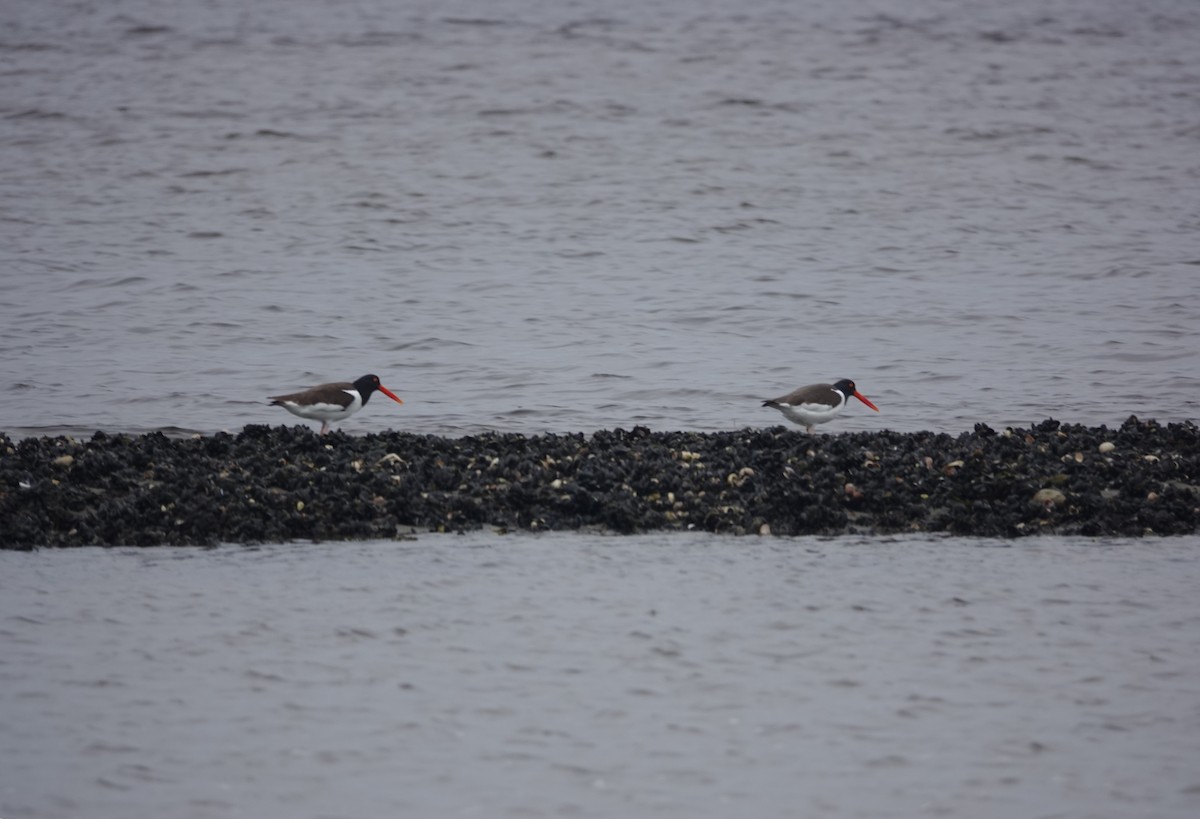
[[562, 216], [672, 676], [541, 216]]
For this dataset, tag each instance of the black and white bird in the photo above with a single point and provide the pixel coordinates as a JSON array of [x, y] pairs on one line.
[[332, 402], [817, 403]]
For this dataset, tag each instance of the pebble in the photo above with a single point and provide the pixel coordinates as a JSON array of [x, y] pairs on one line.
[[1048, 497]]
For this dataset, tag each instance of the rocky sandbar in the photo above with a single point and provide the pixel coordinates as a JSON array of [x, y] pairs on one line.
[[287, 483]]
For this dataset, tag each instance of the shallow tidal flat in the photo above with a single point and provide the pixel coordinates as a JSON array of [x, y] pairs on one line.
[[286, 483]]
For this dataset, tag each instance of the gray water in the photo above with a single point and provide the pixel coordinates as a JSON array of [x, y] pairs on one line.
[[563, 216], [587, 676], [529, 215]]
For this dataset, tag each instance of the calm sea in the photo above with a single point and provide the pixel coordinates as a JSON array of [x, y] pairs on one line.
[[532, 216], [540, 216], [676, 676]]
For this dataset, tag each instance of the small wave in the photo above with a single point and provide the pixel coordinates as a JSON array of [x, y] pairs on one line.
[[202, 174], [269, 133], [431, 343], [36, 113], [83, 284], [1142, 358], [146, 30]]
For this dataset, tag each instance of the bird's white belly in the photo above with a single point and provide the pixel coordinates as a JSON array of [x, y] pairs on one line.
[[810, 414], [324, 412]]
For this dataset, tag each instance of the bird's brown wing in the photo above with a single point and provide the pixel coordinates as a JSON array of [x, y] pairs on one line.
[[811, 394], [334, 393]]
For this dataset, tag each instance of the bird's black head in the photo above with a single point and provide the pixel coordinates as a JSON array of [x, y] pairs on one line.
[[368, 384], [847, 388]]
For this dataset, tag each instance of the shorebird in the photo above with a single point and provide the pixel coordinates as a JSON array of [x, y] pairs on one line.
[[817, 403], [332, 402]]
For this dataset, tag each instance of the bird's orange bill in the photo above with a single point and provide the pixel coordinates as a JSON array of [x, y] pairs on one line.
[[395, 398], [862, 398]]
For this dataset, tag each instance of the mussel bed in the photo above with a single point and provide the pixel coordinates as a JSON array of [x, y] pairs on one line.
[[276, 484]]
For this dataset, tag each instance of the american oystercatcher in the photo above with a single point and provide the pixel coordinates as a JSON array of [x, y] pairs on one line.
[[817, 403], [332, 402]]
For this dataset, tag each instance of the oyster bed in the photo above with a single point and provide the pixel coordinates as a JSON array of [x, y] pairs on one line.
[[287, 483]]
